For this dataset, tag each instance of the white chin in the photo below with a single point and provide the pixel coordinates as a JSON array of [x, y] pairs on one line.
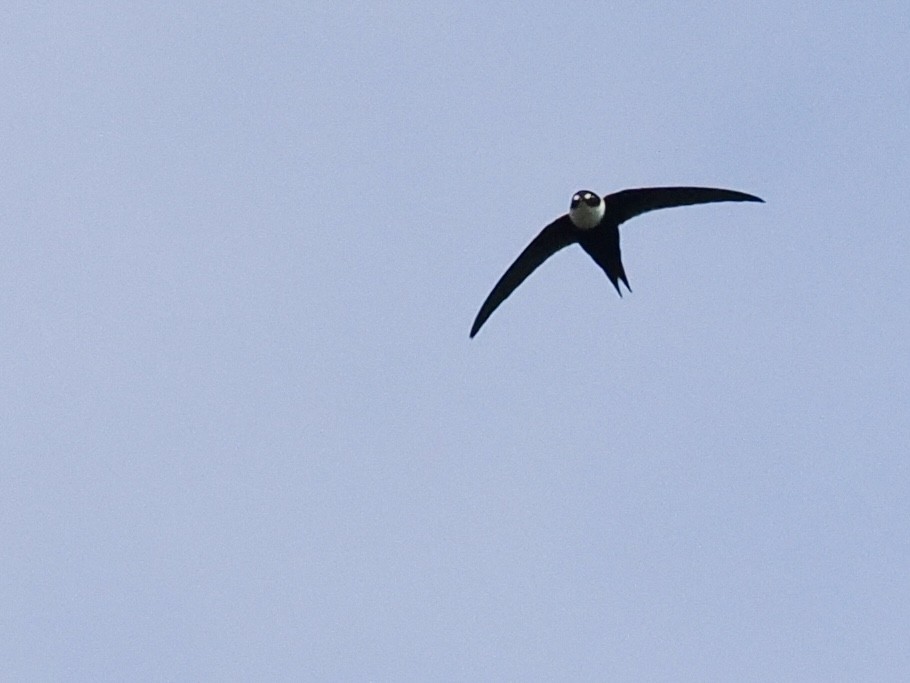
[[585, 217]]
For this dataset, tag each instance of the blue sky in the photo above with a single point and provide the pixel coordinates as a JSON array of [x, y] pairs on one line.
[[245, 434]]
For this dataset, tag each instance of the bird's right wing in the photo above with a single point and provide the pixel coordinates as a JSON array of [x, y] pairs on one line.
[[621, 206], [557, 235]]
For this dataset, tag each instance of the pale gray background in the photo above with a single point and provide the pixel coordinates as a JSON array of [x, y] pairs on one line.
[[244, 432]]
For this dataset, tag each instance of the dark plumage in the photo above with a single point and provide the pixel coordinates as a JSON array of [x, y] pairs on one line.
[[594, 224]]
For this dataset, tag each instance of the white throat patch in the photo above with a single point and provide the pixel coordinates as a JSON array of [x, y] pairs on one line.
[[585, 217]]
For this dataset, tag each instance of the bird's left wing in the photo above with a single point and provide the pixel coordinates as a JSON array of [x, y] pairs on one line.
[[557, 235], [626, 204]]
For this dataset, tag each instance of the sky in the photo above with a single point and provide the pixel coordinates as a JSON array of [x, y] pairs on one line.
[[244, 434]]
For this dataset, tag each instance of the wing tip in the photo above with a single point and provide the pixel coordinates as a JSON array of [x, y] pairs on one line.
[[738, 196]]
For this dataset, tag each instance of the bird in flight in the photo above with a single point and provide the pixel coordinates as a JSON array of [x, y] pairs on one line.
[[593, 222]]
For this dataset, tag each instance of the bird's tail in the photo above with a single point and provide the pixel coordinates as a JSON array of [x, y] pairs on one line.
[[617, 273]]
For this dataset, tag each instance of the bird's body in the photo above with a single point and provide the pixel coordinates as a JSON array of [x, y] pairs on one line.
[[594, 223]]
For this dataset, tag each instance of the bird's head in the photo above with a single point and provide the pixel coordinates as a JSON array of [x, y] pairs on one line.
[[586, 209]]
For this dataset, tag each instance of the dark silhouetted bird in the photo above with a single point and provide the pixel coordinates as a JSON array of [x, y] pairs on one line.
[[594, 223]]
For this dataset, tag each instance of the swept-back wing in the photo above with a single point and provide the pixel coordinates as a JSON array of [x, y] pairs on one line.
[[626, 204], [557, 235]]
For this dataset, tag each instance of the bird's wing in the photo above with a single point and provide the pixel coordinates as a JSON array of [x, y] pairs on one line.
[[557, 235], [621, 206]]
